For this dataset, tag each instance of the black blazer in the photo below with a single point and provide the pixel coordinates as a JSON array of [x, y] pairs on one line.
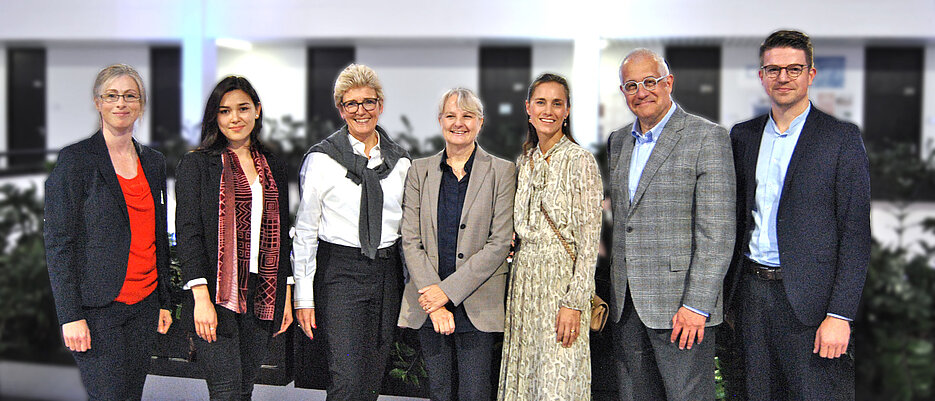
[[823, 221], [197, 193], [87, 227]]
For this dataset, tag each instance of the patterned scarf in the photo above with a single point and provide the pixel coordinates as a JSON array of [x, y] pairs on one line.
[[234, 237]]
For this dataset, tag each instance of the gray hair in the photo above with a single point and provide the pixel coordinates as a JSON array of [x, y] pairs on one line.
[[115, 71], [644, 53], [465, 99], [356, 76]]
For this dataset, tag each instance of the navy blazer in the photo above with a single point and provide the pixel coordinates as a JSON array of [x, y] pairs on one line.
[[823, 221], [87, 227], [197, 197]]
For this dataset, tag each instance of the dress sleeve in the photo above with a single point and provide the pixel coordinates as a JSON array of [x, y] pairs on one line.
[[586, 194]]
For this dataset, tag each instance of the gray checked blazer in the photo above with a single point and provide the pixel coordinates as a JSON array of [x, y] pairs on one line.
[[672, 245], [479, 280]]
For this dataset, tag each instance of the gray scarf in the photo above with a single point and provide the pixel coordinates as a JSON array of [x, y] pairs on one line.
[[338, 148]]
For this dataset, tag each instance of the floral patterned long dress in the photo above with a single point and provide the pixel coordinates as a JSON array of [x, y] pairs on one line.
[[535, 366]]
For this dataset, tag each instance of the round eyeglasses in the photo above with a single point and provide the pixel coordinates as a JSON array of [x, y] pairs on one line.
[[351, 106], [793, 70], [127, 97], [631, 87]]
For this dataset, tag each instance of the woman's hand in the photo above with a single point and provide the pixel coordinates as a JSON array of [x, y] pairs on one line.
[[306, 319], [432, 298], [566, 326], [77, 335], [206, 318], [443, 321], [165, 320], [287, 313]]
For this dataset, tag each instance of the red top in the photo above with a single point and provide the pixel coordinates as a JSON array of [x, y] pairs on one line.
[[141, 265]]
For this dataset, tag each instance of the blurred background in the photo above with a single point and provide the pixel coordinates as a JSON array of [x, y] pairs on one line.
[[875, 61]]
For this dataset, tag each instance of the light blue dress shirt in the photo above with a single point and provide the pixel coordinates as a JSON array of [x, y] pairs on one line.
[[642, 149]]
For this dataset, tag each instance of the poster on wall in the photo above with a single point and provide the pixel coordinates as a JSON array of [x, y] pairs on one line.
[[830, 72]]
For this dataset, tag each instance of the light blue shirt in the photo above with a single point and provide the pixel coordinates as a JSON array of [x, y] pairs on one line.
[[642, 148], [771, 165]]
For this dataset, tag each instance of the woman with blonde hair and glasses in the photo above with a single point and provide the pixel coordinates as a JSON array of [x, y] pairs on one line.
[[457, 227], [346, 258], [106, 245], [557, 217]]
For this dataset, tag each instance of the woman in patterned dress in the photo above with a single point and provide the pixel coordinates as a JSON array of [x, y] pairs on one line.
[[546, 352]]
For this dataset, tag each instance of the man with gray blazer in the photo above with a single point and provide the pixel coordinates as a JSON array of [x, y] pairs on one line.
[[456, 231], [673, 191]]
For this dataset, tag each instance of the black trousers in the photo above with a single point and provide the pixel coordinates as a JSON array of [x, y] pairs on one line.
[[231, 364], [122, 339], [471, 353], [357, 304], [649, 367], [777, 348]]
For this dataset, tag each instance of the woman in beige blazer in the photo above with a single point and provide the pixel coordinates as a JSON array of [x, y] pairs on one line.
[[456, 231]]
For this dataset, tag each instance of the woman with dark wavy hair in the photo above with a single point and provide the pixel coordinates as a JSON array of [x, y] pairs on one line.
[[557, 218], [232, 217]]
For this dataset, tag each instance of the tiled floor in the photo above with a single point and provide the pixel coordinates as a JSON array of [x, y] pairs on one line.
[[34, 382]]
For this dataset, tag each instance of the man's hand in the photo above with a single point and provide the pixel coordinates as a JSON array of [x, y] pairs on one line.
[[566, 326], [832, 337], [690, 325], [443, 321], [432, 298], [306, 319], [77, 335], [287, 313], [165, 321]]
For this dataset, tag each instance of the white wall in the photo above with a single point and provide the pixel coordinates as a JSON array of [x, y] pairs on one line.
[[70, 73], [928, 101], [414, 78], [277, 72], [3, 105]]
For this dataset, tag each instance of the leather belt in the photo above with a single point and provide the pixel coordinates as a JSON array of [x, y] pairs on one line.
[[763, 272]]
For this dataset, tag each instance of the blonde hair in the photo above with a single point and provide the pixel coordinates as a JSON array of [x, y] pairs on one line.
[[115, 71], [356, 76], [466, 100]]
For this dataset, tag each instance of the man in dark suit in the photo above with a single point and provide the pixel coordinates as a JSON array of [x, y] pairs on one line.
[[803, 238]]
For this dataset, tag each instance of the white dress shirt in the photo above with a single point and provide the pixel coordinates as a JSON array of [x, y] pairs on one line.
[[329, 209]]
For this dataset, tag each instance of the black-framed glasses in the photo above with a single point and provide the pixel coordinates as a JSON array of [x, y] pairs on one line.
[[631, 87], [127, 97], [794, 70], [369, 104]]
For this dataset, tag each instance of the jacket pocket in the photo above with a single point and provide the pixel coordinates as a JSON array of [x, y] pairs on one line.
[[678, 263]]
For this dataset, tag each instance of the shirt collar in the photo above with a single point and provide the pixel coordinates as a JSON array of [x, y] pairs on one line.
[[794, 129], [467, 165], [652, 134], [359, 147]]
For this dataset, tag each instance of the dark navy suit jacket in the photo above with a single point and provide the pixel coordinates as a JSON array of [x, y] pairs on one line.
[[87, 227], [823, 221]]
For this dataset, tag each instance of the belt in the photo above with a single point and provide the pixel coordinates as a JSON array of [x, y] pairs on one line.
[[382, 253], [763, 272]]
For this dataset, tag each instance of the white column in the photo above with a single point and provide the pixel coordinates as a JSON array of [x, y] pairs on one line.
[[585, 88], [3, 105], [928, 101], [199, 62]]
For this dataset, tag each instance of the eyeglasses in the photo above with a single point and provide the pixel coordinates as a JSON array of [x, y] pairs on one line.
[[631, 87], [113, 97], [773, 71], [369, 104]]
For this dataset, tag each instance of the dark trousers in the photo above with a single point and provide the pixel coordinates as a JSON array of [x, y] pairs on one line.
[[649, 367], [356, 307], [122, 339], [231, 364], [777, 348], [471, 353]]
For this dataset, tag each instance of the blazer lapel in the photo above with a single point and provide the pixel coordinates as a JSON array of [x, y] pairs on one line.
[[105, 168], [671, 134], [479, 172], [150, 171], [752, 154], [623, 166], [806, 137], [433, 180]]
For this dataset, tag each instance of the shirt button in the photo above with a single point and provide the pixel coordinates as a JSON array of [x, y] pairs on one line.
[[460, 256], [462, 226], [630, 229]]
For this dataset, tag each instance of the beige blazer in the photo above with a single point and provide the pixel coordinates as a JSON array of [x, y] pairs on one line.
[[479, 280]]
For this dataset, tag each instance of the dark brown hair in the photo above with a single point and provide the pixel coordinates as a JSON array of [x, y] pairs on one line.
[[212, 140], [787, 38], [532, 139]]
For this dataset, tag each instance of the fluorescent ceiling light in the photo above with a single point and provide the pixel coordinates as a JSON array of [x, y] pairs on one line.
[[235, 44]]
